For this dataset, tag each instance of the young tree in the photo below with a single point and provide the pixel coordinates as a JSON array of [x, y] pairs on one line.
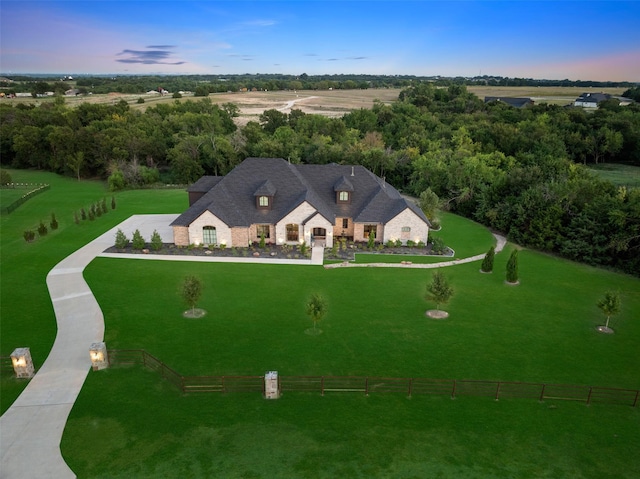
[[191, 291], [512, 268], [113, 202], [372, 240], [316, 309], [54, 222], [156, 241], [487, 263], [83, 214], [121, 239], [610, 306], [138, 241], [42, 229], [439, 289]]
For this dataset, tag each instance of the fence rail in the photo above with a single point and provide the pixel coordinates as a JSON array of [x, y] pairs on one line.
[[36, 189], [380, 385]]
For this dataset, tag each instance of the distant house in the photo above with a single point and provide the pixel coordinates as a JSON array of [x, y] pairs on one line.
[[288, 204], [511, 101], [591, 100], [72, 92]]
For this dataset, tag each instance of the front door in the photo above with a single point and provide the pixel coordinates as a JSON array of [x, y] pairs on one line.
[[319, 233]]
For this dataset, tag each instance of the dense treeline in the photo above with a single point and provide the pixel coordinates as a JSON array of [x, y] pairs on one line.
[[519, 171], [202, 85]]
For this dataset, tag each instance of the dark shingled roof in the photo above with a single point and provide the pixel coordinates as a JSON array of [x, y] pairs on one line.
[[233, 199], [512, 101], [204, 184]]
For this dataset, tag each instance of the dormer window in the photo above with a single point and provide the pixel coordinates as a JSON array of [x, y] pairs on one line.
[[264, 195], [343, 189]]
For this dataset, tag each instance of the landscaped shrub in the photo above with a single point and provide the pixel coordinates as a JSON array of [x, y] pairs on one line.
[[121, 240], [512, 267], [156, 241], [42, 229], [103, 205], [411, 243], [262, 241], [390, 244], [487, 263], [113, 202], [116, 181], [372, 240], [98, 210], [92, 213], [398, 243], [5, 177], [29, 236], [138, 241], [83, 214], [76, 220], [304, 248], [53, 223], [437, 245]]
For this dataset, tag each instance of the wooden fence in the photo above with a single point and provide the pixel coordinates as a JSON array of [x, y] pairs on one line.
[[35, 189], [381, 385]]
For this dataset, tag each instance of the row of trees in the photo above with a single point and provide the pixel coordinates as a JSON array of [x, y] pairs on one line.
[[516, 170], [204, 84]]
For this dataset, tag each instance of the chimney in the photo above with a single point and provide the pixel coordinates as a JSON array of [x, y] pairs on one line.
[[353, 171]]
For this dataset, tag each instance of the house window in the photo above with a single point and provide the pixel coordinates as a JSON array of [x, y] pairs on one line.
[[370, 228], [405, 233], [263, 201], [263, 230], [345, 223], [209, 235], [343, 197], [292, 232]]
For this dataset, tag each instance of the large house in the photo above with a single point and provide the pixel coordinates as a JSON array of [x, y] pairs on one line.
[[511, 101], [287, 203], [591, 100]]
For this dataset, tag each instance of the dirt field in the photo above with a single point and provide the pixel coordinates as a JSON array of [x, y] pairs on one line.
[[333, 103]]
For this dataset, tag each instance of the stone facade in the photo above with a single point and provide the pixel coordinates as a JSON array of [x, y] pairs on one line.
[[338, 229], [306, 218], [358, 232], [223, 232], [239, 237], [407, 219], [181, 235]]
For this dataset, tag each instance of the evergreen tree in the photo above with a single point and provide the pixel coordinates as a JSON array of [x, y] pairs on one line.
[[512, 267], [121, 240], [487, 263], [53, 223], [156, 241], [138, 241]]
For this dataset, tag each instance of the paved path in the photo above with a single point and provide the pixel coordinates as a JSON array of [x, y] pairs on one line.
[[500, 242], [31, 429]]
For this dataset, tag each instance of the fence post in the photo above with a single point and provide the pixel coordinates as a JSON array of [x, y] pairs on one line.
[[589, 396], [542, 392], [410, 386], [453, 393], [498, 391]]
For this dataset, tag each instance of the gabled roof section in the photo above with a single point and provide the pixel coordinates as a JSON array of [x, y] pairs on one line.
[[266, 189], [232, 197], [511, 101], [343, 184], [204, 184]]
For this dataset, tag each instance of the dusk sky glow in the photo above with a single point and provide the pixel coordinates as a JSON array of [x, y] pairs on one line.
[[578, 40]]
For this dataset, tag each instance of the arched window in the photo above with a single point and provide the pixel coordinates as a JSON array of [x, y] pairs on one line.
[[263, 201], [343, 197], [209, 235]]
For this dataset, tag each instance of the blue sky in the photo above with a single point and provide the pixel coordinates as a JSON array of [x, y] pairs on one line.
[[541, 39]]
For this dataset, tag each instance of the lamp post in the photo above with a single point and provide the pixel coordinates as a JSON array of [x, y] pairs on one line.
[[22, 363], [98, 355]]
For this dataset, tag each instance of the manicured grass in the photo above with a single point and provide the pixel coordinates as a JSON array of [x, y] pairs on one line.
[[618, 174], [540, 331], [128, 423], [27, 318]]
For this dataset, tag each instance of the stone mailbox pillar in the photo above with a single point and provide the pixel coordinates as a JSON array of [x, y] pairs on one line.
[[99, 357], [22, 363], [271, 385]]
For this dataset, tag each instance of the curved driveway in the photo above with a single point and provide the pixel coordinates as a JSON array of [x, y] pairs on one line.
[[31, 429]]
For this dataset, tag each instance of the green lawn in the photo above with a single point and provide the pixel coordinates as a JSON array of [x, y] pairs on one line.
[[128, 422], [25, 306], [618, 174]]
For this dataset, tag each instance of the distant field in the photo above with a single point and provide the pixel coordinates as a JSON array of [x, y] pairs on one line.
[[332, 103], [620, 175]]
